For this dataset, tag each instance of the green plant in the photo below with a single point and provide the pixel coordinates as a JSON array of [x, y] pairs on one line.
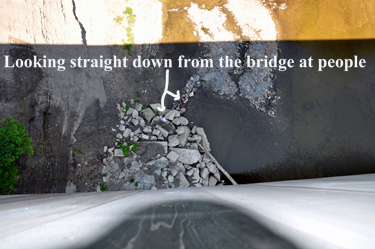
[[103, 187], [144, 107], [127, 46], [104, 175], [78, 150], [128, 10], [135, 148], [132, 180], [136, 184], [127, 106], [125, 149], [162, 170], [13, 143], [118, 19], [137, 81], [139, 95], [137, 102]]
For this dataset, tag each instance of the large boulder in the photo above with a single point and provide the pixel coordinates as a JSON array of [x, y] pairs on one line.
[[187, 156]]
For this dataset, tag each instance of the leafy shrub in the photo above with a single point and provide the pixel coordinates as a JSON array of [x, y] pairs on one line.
[[13, 143], [103, 187]]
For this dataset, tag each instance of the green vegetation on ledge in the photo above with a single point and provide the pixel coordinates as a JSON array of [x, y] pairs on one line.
[[13, 143]]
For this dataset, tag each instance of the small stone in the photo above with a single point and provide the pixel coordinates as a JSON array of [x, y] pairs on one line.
[[172, 156], [110, 150], [127, 133], [217, 175], [144, 137], [180, 166], [135, 121], [147, 129], [205, 182], [135, 139], [183, 138], [155, 106], [196, 176], [142, 122], [211, 167], [130, 111], [187, 156], [194, 129], [183, 110], [173, 172], [135, 114], [164, 173], [204, 173], [158, 172], [153, 138], [122, 122], [137, 131], [156, 132], [172, 114], [212, 181], [122, 174], [173, 141], [163, 131], [195, 138], [189, 172], [184, 121], [105, 149], [119, 136], [206, 159], [148, 114], [180, 130], [176, 121], [121, 128], [118, 153], [138, 107], [198, 185], [194, 146], [113, 129], [153, 188], [170, 178], [183, 182]]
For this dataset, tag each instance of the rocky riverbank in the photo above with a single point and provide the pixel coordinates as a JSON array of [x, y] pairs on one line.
[[149, 153]]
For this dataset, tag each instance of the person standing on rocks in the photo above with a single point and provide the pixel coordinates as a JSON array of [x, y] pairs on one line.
[[163, 119]]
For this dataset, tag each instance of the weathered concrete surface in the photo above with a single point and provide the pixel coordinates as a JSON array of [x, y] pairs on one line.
[[69, 114]]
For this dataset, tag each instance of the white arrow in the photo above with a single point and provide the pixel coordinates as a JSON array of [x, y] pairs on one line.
[[176, 96]]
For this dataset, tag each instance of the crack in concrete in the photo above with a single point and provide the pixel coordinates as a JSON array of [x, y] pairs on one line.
[[83, 31]]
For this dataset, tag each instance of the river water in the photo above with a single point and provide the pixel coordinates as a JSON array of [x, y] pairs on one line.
[[325, 121]]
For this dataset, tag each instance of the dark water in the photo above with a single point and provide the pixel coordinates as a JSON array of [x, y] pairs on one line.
[[325, 122]]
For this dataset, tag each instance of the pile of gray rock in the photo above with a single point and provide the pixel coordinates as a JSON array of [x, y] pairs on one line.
[[168, 156]]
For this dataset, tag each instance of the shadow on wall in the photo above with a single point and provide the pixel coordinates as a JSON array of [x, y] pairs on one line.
[[77, 107], [192, 224]]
